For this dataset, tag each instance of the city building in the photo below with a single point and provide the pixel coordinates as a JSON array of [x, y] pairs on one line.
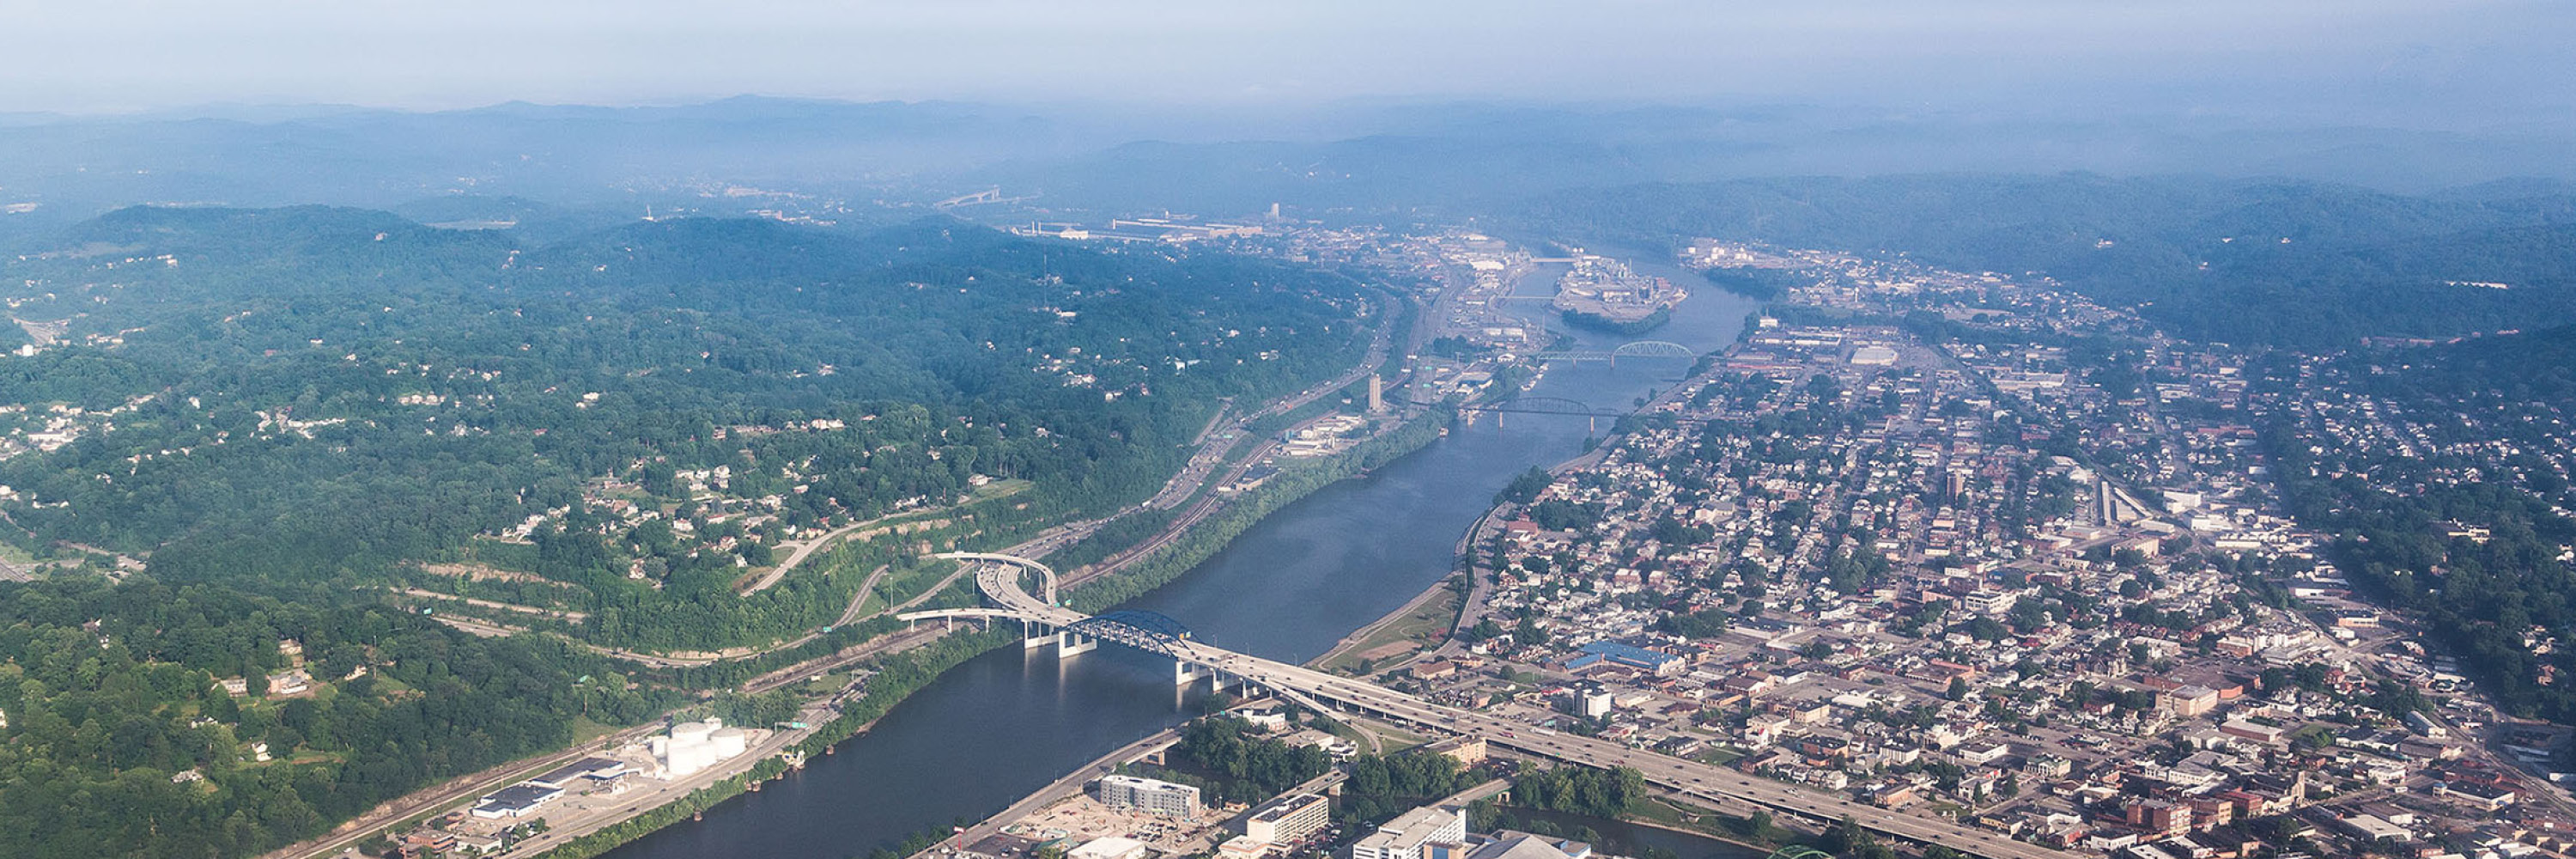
[[1467, 751], [1430, 832], [1110, 848], [1160, 797], [1590, 702], [1288, 819]]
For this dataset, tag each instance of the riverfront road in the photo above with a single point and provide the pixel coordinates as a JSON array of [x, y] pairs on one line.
[[1690, 778], [345, 837]]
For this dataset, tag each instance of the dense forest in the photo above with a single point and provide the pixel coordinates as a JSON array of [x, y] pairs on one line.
[[2240, 261], [304, 397], [284, 413], [119, 742]]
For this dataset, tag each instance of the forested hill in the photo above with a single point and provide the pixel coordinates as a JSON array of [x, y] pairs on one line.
[[2525, 367], [2286, 263], [298, 396]]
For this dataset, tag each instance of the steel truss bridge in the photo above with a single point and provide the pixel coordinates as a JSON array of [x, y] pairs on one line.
[[1543, 406], [1566, 407], [1074, 632], [1637, 349]]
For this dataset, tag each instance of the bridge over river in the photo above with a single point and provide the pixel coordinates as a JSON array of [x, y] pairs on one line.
[[1073, 632]]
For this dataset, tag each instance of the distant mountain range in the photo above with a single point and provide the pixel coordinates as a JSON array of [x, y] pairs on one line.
[[1442, 157]]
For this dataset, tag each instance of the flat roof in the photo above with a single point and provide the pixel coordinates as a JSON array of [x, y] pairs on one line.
[[578, 769], [521, 795], [1628, 653], [1286, 806]]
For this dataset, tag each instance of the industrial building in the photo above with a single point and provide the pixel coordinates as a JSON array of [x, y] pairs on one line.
[[694, 746], [1288, 819], [1661, 664], [1160, 797], [515, 801], [593, 769]]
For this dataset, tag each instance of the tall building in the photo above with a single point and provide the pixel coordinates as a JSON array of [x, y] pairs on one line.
[[1160, 797], [1588, 701], [1288, 819]]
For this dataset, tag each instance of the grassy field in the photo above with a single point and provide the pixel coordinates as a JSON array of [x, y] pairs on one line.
[[1416, 630], [584, 730], [900, 585], [1718, 757], [15, 555]]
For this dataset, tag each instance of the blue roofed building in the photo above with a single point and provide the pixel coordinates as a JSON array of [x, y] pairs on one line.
[[1656, 662]]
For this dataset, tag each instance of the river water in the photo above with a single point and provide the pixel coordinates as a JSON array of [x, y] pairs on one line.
[[1008, 722]]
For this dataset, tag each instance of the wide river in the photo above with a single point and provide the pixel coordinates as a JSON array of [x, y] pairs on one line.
[[1008, 722]]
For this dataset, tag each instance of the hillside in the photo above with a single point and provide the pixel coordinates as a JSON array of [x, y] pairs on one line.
[[302, 397], [2283, 263]]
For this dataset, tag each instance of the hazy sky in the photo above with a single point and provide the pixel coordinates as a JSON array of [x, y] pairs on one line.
[[2483, 60]]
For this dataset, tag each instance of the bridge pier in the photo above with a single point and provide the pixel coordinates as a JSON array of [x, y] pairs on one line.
[[1185, 673], [1034, 635], [1068, 643]]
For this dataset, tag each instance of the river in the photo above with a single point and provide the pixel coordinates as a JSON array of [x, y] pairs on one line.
[[1008, 722]]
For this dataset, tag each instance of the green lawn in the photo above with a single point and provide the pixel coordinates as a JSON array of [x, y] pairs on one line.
[[1422, 627]]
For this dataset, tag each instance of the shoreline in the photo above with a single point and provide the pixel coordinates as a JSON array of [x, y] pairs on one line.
[[1178, 555], [1625, 327]]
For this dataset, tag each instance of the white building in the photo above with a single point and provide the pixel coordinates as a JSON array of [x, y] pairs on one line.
[[1288, 819], [1430, 832], [694, 746], [1160, 797]]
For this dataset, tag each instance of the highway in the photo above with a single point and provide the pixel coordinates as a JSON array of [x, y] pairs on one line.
[[1001, 584]]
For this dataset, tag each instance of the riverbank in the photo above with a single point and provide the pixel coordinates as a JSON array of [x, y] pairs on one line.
[[1300, 577], [1213, 533], [902, 673], [1599, 322]]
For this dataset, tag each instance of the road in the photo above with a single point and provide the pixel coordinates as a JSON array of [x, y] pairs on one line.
[[1069, 785], [348, 834], [1686, 777], [805, 551], [1215, 446], [566, 821]]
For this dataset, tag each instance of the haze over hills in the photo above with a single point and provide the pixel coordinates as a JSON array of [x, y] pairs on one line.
[[1362, 155], [2138, 423], [275, 382]]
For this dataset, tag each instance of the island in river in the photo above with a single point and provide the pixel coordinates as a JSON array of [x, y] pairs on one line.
[[1602, 293]]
